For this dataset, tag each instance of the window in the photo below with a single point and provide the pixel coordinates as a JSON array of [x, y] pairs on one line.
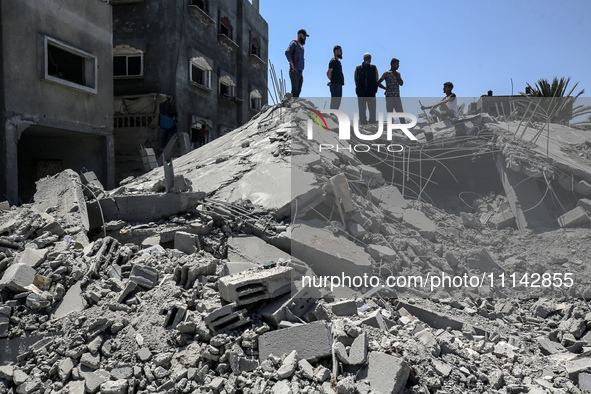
[[201, 4], [69, 66], [256, 100], [226, 27], [227, 86], [255, 48], [127, 62], [200, 72]]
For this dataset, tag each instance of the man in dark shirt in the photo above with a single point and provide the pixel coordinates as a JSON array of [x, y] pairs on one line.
[[295, 56], [366, 82], [337, 79]]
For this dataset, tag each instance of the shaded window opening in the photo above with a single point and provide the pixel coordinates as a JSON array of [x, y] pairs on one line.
[[226, 27], [255, 48], [65, 65], [127, 65], [201, 4], [197, 75]]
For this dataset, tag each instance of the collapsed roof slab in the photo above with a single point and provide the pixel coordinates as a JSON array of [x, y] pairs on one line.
[[248, 163], [327, 253], [525, 198]]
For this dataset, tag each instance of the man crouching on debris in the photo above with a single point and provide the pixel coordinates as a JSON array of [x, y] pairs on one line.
[[448, 106]]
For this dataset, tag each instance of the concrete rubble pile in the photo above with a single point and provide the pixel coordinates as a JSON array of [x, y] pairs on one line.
[[137, 291]]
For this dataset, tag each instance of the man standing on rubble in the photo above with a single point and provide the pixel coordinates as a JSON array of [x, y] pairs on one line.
[[393, 83], [295, 57], [337, 79], [448, 105], [366, 82]]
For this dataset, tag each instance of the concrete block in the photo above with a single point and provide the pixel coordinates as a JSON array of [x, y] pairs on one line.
[[344, 308], [341, 191], [186, 242], [174, 316], [310, 341], [33, 257], [252, 249], [251, 286], [16, 277], [417, 220], [583, 188], [389, 197], [379, 252], [227, 317], [573, 218], [577, 366], [145, 276], [584, 203], [4, 206], [296, 305], [357, 352], [72, 302], [585, 381], [549, 347], [387, 374], [357, 230], [483, 261], [502, 220], [327, 253], [289, 365]]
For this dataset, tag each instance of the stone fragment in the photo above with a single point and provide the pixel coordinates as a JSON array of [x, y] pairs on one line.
[[311, 341], [386, 373], [282, 387], [72, 302], [65, 369], [93, 380], [186, 242], [417, 220], [288, 366], [92, 361], [306, 368], [576, 366], [573, 218], [17, 277], [114, 387], [33, 257], [548, 347]]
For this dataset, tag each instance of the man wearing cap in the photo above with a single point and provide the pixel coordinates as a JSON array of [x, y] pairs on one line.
[[337, 80], [366, 82], [295, 57]]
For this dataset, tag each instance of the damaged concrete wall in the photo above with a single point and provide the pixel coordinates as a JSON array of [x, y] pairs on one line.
[[73, 94]]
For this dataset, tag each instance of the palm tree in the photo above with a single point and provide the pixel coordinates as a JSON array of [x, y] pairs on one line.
[[558, 102]]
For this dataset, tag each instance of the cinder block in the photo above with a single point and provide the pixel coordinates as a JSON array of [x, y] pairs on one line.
[[574, 217], [144, 276], [186, 242], [16, 277], [386, 373], [226, 318], [311, 341], [298, 304], [251, 286], [344, 308]]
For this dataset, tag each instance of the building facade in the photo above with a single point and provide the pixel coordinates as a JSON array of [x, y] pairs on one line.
[[199, 63], [56, 96]]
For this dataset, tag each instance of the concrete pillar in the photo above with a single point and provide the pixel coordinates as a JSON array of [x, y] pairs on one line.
[[9, 178], [110, 161], [256, 5]]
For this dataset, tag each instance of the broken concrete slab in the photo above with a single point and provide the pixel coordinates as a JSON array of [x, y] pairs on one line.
[[577, 366], [17, 277], [341, 191], [573, 218], [251, 286], [33, 257], [389, 198], [387, 374], [524, 197], [290, 307], [72, 302], [417, 220], [186, 242], [250, 248], [583, 188], [344, 308], [141, 208], [548, 346], [379, 253], [483, 261], [62, 196], [327, 253], [311, 341]]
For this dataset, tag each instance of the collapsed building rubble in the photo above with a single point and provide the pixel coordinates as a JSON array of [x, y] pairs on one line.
[[137, 291]]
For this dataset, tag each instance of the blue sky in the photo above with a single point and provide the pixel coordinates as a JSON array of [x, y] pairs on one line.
[[479, 45]]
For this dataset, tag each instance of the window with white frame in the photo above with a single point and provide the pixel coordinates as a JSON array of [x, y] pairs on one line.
[[200, 72], [226, 86], [128, 62], [256, 100], [69, 66]]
